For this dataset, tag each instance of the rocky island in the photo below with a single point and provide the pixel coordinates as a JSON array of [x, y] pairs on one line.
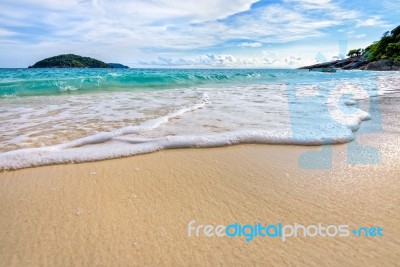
[[383, 55], [74, 61]]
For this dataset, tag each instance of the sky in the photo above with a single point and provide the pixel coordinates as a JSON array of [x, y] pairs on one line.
[[192, 33]]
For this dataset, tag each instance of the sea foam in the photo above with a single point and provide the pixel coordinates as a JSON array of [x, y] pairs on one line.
[[123, 142]]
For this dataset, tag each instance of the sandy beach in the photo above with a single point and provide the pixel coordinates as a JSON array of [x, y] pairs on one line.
[[135, 211]]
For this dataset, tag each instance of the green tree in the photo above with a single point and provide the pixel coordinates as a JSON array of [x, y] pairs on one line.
[[393, 51], [354, 53], [386, 48]]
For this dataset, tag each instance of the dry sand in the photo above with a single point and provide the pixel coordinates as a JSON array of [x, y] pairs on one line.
[[135, 211]]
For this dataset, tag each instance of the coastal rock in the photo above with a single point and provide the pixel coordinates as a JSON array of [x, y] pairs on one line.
[[382, 65], [358, 63], [396, 65], [350, 63]]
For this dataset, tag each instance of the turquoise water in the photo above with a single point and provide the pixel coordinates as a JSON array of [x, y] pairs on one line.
[[42, 82], [74, 115]]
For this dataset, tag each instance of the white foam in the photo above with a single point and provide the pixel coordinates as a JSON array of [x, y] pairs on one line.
[[68, 88], [129, 141], [112, 145]]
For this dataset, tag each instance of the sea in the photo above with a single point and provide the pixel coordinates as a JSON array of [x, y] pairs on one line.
[[54, 116]]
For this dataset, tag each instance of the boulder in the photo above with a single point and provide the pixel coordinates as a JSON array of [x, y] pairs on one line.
[[355, 64], [396, 65], [382, 65]]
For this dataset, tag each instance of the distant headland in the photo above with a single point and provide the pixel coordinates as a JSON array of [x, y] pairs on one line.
[[383, 55], [74, 61]]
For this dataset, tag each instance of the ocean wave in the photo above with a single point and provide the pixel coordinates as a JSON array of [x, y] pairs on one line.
[[49, 82]]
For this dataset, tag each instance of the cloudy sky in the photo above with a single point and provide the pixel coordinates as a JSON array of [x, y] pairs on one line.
[[191, 33]]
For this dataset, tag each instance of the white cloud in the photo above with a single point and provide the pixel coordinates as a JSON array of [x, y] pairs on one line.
[[147, 11], [311, 4], [260, 60], [6, 33], [372, 21], [253, 45]]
